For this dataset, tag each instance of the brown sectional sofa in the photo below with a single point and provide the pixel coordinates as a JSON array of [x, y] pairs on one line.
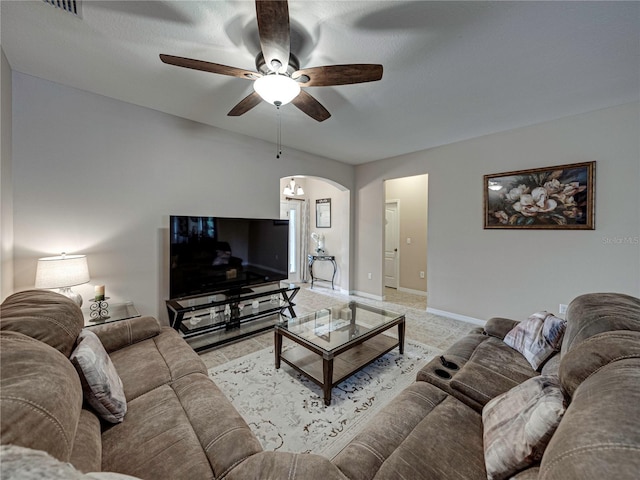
[[434, 428], [180, 426]]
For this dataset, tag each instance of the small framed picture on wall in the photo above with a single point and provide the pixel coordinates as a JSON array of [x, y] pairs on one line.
[[323, 213]]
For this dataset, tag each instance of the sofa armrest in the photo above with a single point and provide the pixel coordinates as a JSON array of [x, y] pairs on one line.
[[285, 465], [117, 335], [499, 327]]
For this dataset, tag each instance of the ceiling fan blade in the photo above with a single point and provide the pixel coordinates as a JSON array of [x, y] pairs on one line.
[[311, 106], [209, 67], [273, 28], [339, 74], [246, 104]]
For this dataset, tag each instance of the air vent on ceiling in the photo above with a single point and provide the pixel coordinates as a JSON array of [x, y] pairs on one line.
[[71, 6]]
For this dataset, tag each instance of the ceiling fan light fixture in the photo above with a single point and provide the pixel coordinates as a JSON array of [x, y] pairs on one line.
[[276, 89]]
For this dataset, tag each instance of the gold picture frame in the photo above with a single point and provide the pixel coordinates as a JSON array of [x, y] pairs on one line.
[[561, 197]]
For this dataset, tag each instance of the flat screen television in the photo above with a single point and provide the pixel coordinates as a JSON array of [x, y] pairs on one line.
[[213, 254]]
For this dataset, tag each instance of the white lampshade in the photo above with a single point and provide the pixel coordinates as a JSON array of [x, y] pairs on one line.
[[276, 89], [63, 272]]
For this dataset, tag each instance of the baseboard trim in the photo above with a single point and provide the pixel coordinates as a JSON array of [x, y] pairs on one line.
[[368, 295], [422, 293], [456, 316]]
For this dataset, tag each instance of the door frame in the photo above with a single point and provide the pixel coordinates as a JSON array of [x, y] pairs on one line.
[[396, 202], [299, 261]]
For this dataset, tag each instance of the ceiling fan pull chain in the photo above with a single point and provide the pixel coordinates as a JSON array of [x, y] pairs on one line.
[[279, 137]]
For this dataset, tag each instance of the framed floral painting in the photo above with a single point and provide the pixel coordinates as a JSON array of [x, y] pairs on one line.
[[560, 197]]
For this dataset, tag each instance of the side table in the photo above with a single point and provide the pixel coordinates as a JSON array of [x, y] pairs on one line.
[[324, 258], [117, 311]]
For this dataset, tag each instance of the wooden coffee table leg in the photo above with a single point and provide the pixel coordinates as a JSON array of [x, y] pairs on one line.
[[327, 377], [278, 348], [401, 337]]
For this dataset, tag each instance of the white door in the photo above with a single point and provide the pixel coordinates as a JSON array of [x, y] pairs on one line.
[[391, 242], [292, 211]]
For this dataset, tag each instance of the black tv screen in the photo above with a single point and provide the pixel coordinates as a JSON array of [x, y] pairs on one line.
[[213, 254]]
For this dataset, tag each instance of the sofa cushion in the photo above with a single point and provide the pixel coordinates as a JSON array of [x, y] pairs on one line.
[[599, 436], [156, 361], [44, 315], [459, 353], [40, 396], [155, 441], [595, 313], [117, 335], [498, 327], [86, 455], [494, 368], [100, 381], [589, 356], [486, 368], [285, 465], [187, 429], [418, 435], [223, 434], [518, 425], [537, 338]]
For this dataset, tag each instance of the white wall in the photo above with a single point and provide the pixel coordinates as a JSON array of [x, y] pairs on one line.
[[6, 178], [98, 176], [481, 273], [336, 237]]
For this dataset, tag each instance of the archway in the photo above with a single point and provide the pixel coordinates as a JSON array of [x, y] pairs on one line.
[[336, 234]]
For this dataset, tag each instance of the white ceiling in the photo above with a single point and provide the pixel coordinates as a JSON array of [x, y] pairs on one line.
[[452, 70]]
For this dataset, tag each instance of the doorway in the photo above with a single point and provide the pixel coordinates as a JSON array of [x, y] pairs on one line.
[[405, 241], [292, 210]]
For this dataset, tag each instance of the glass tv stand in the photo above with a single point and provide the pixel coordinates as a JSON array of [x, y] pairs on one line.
[[218, 318]]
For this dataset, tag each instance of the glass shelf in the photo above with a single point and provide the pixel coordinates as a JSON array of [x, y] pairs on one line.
[[210, 320]]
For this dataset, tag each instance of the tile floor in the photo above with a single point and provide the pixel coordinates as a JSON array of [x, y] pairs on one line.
[[422, 327], [398, 297]]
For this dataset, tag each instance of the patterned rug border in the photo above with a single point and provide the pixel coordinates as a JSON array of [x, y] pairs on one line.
[[334, 426]]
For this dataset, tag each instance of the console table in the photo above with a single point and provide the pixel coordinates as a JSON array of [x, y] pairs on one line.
[[322, 258]]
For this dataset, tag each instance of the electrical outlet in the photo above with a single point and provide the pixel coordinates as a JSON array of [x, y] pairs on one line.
[[369, 275], [562, 309], [421, 274], [408, 240]]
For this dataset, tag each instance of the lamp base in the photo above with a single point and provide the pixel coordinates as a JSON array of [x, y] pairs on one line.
[[67, 292]]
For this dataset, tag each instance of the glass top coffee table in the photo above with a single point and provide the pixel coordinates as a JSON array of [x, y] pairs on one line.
[[337, 342]]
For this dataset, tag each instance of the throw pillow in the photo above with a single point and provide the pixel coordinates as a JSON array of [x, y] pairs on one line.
[[101, 383], [518, 424], [538, 337], [20, 463]]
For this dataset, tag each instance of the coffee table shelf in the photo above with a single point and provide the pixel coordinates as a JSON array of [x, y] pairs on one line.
[[344, 365]]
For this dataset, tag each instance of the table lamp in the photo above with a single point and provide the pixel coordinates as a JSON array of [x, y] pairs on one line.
[[63, 272]]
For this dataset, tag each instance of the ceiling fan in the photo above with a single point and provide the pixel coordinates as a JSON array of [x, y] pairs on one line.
[[278, 79]]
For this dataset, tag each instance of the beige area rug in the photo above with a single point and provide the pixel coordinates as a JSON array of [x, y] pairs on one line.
[[286, 411]]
